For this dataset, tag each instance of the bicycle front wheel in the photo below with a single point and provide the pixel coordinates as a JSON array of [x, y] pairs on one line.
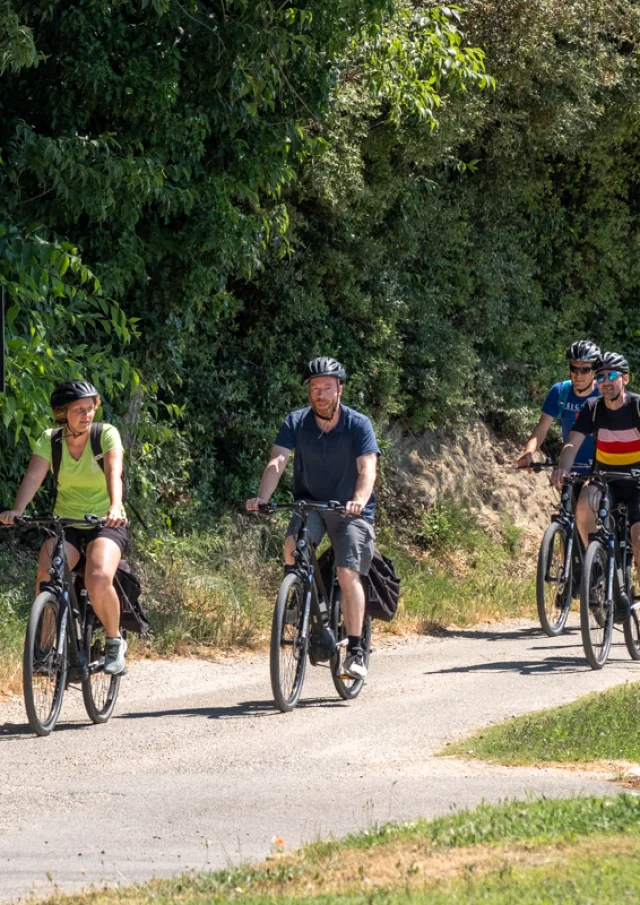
[[44, 671], [99, 690], [288, 652], [347, 688], [596, 613], [553, 585]]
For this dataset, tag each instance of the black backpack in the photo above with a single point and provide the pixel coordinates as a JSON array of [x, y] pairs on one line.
[[132, 617], [381, 585], [382, 588], [128, 589]]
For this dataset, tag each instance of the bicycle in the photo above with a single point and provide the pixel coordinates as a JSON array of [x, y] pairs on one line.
[[308, 620], [65, 640], [606, 580], [560, 558]]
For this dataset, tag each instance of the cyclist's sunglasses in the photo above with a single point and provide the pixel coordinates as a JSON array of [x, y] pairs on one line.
[[575, 370], [608, 375]]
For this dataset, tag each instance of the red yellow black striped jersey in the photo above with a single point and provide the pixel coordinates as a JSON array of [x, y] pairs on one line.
[[617, 432]]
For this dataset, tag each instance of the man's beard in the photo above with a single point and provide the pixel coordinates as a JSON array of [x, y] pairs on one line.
[[333, 407]]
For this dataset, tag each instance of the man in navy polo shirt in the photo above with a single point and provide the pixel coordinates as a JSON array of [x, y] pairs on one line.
[[336, 457]]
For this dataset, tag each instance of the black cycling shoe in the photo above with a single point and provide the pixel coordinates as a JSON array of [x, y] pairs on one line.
[[322, 645]]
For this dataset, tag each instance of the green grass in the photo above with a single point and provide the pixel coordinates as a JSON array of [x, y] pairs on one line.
[[578, 850], [18, 570], [539, 822], [455, 573], [601, 726]]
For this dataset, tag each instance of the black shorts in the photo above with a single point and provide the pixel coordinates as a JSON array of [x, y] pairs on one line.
[[626, 492], [81, 537]]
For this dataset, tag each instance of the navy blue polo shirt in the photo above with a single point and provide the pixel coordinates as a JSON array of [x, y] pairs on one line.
[[324, 465]]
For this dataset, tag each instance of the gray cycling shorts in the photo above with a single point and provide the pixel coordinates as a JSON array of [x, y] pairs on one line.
[[352, 539]]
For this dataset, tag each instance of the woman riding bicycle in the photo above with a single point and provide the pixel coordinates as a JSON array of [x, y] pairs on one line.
[[83, 487]]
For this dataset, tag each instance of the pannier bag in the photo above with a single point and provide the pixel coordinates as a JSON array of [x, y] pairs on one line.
[[132, 617], [381, 588], [381, 585]]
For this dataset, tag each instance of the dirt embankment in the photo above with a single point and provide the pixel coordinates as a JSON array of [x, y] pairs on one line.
[[476, 467]]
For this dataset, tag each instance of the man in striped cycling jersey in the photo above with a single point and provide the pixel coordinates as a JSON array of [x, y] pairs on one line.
[[614, 421]]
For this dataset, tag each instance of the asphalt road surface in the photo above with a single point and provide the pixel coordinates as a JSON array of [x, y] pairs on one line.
[[196, 770]]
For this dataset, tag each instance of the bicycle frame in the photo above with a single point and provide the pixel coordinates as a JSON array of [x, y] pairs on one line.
[[614, 533], [306, 564], [72, 615], [567, 518]]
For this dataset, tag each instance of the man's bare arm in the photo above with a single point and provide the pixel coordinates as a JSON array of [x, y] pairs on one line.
[[567, 457], [270, 476], [537, 438], [367, 470]]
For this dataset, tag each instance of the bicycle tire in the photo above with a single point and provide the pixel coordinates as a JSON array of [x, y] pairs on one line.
[[44, 675], [553, 597], [347, 688], [99, 690], [287, 654], [596, 615]]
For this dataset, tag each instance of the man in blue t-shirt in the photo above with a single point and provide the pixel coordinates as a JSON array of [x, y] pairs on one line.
[[564, 400], [336, 457]]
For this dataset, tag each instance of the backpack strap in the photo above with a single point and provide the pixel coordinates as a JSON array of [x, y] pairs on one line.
[[95, 438], [565, 389], [56, 452], [596, 422]]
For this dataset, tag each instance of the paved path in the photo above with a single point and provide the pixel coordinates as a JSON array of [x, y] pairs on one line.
[[197, 769]]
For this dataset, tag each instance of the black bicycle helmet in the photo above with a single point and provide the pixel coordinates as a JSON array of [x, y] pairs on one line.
[[324, 367], [584, 350], [71, 391], [612, 361]]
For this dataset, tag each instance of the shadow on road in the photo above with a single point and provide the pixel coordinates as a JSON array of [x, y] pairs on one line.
[[495, 635], [528, 667], [242, 708], [13, 731]]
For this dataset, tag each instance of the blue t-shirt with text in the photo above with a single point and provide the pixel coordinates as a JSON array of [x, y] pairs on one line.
[[571, 411], [324, 464]]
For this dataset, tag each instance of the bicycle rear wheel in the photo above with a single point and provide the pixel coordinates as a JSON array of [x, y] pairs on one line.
[[99, 690], [288, 652], [553, 594], [347, 688], [596, 613], [632, 624], [44, 672]]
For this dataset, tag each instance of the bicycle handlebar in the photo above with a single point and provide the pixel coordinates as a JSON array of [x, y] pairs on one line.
[[26, 521], [536, 466], [606, 476], [303, 506]]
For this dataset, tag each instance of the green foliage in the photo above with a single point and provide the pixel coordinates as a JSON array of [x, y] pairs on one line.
[[208, 194], [448, 525]]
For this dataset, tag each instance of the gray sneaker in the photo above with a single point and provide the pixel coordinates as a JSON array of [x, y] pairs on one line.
[[114, 651], [354, 664]]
